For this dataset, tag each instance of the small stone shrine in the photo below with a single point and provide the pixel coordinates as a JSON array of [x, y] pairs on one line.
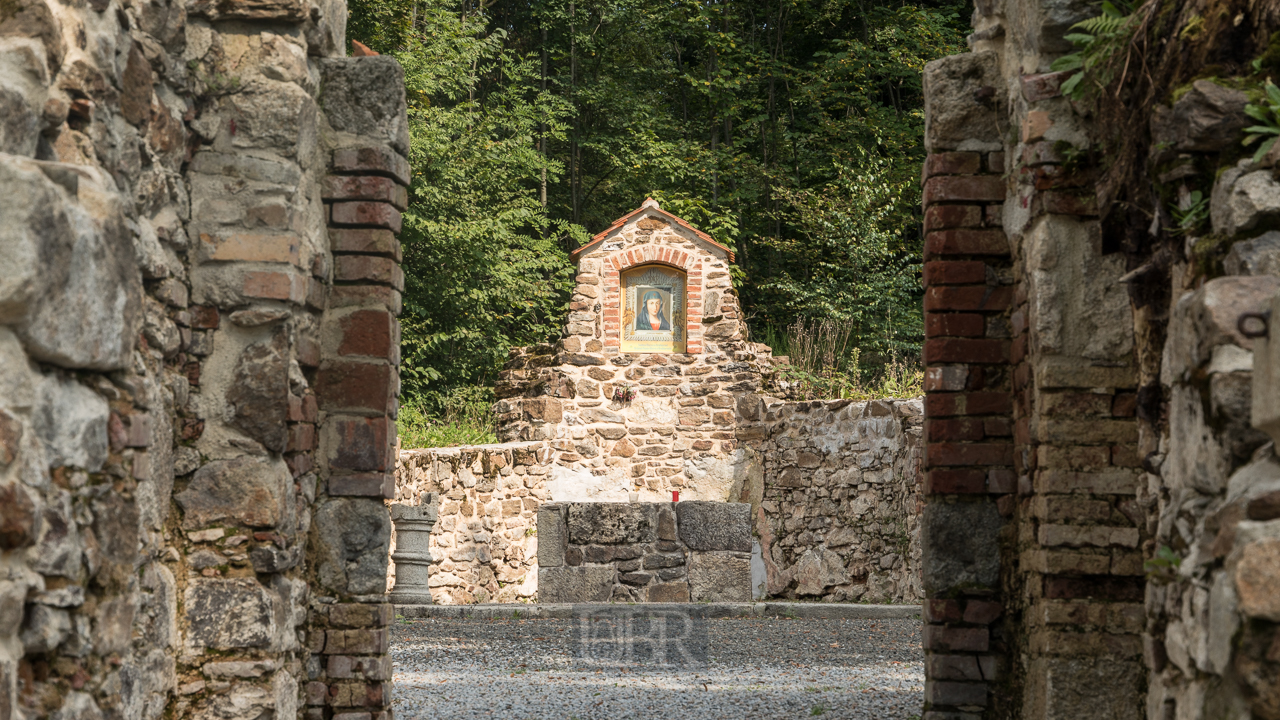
[[644, 391], [654, 387]]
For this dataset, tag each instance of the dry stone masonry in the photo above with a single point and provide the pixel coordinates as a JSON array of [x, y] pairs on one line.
[[696, 551], [1099, 530], [833, 488], [198, 351], [837, 505], [486, 498]]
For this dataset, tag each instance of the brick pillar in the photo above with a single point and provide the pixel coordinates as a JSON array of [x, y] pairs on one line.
[[969, 451], [356, 386], [1080, 563]]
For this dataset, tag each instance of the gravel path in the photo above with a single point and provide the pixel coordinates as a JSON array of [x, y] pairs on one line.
[[754, 668]]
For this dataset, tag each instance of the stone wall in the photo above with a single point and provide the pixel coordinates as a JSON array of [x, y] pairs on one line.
[[483, 546], [836, 506], [678, 430], [197, 359], [833, 489], [644, 552], [1098, 534]]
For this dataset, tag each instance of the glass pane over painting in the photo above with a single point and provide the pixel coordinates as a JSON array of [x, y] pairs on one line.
[[653, 310]]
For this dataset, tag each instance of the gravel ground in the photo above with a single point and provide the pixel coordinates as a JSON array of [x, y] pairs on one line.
[[753, 668]]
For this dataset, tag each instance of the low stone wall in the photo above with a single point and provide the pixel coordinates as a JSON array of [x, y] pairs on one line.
[[837, 506], [833, 489], [644, 552], [483, 545]]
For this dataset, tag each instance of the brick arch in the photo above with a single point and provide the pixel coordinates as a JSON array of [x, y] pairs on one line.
[[623, 260]]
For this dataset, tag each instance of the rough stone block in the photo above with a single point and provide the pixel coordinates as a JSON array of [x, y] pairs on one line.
[[675, 592], [225, 614], [960, 107], [719, 577], [248, 490], [552, 536], [71, 422], [612, 523], [361, 615], [1064, 688], [576, 584], [259, 391], [351, 540], [71, 284], [961, 546], [364, 96], [706, 525], [1258, 579]]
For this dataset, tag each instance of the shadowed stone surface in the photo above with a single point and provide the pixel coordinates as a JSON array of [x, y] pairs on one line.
[[961, 546], [260, 391], [351, 538], [708, 525], [228, 613], [612, 523], [248, 490], [575, 584]]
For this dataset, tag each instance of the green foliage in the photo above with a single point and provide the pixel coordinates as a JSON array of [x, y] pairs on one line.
[[483, 268], [1098, 41], [1191, 213], [789, 131], [442, 419], [824, 364], [1267, 113], [850, 262], [1163, 568]]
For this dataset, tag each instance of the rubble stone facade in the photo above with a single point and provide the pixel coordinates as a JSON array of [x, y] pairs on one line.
[[837, 502], [629, 422], [198, 353], [833, 487], [698, 551], [1097, 532]]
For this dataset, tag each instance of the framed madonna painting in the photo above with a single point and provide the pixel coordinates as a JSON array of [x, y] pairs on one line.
[[653, 310]]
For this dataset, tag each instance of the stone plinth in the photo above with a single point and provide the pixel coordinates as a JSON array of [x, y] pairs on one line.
[[412, 556]]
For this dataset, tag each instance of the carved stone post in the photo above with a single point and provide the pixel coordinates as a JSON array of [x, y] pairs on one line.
[[413, 524]]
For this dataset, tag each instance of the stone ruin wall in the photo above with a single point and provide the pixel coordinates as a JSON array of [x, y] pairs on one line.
[[833, 489], [837, 515], [695, 551], [1077, 424], [198, 352], [483, 545], [679, 431]]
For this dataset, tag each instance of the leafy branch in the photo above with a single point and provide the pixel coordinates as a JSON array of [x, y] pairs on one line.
[[1163, 568]]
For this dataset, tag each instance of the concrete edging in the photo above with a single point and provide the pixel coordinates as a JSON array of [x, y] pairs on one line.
[[803, 611]]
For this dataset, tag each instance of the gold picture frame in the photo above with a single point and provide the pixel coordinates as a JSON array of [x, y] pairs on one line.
[[653, 310]]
